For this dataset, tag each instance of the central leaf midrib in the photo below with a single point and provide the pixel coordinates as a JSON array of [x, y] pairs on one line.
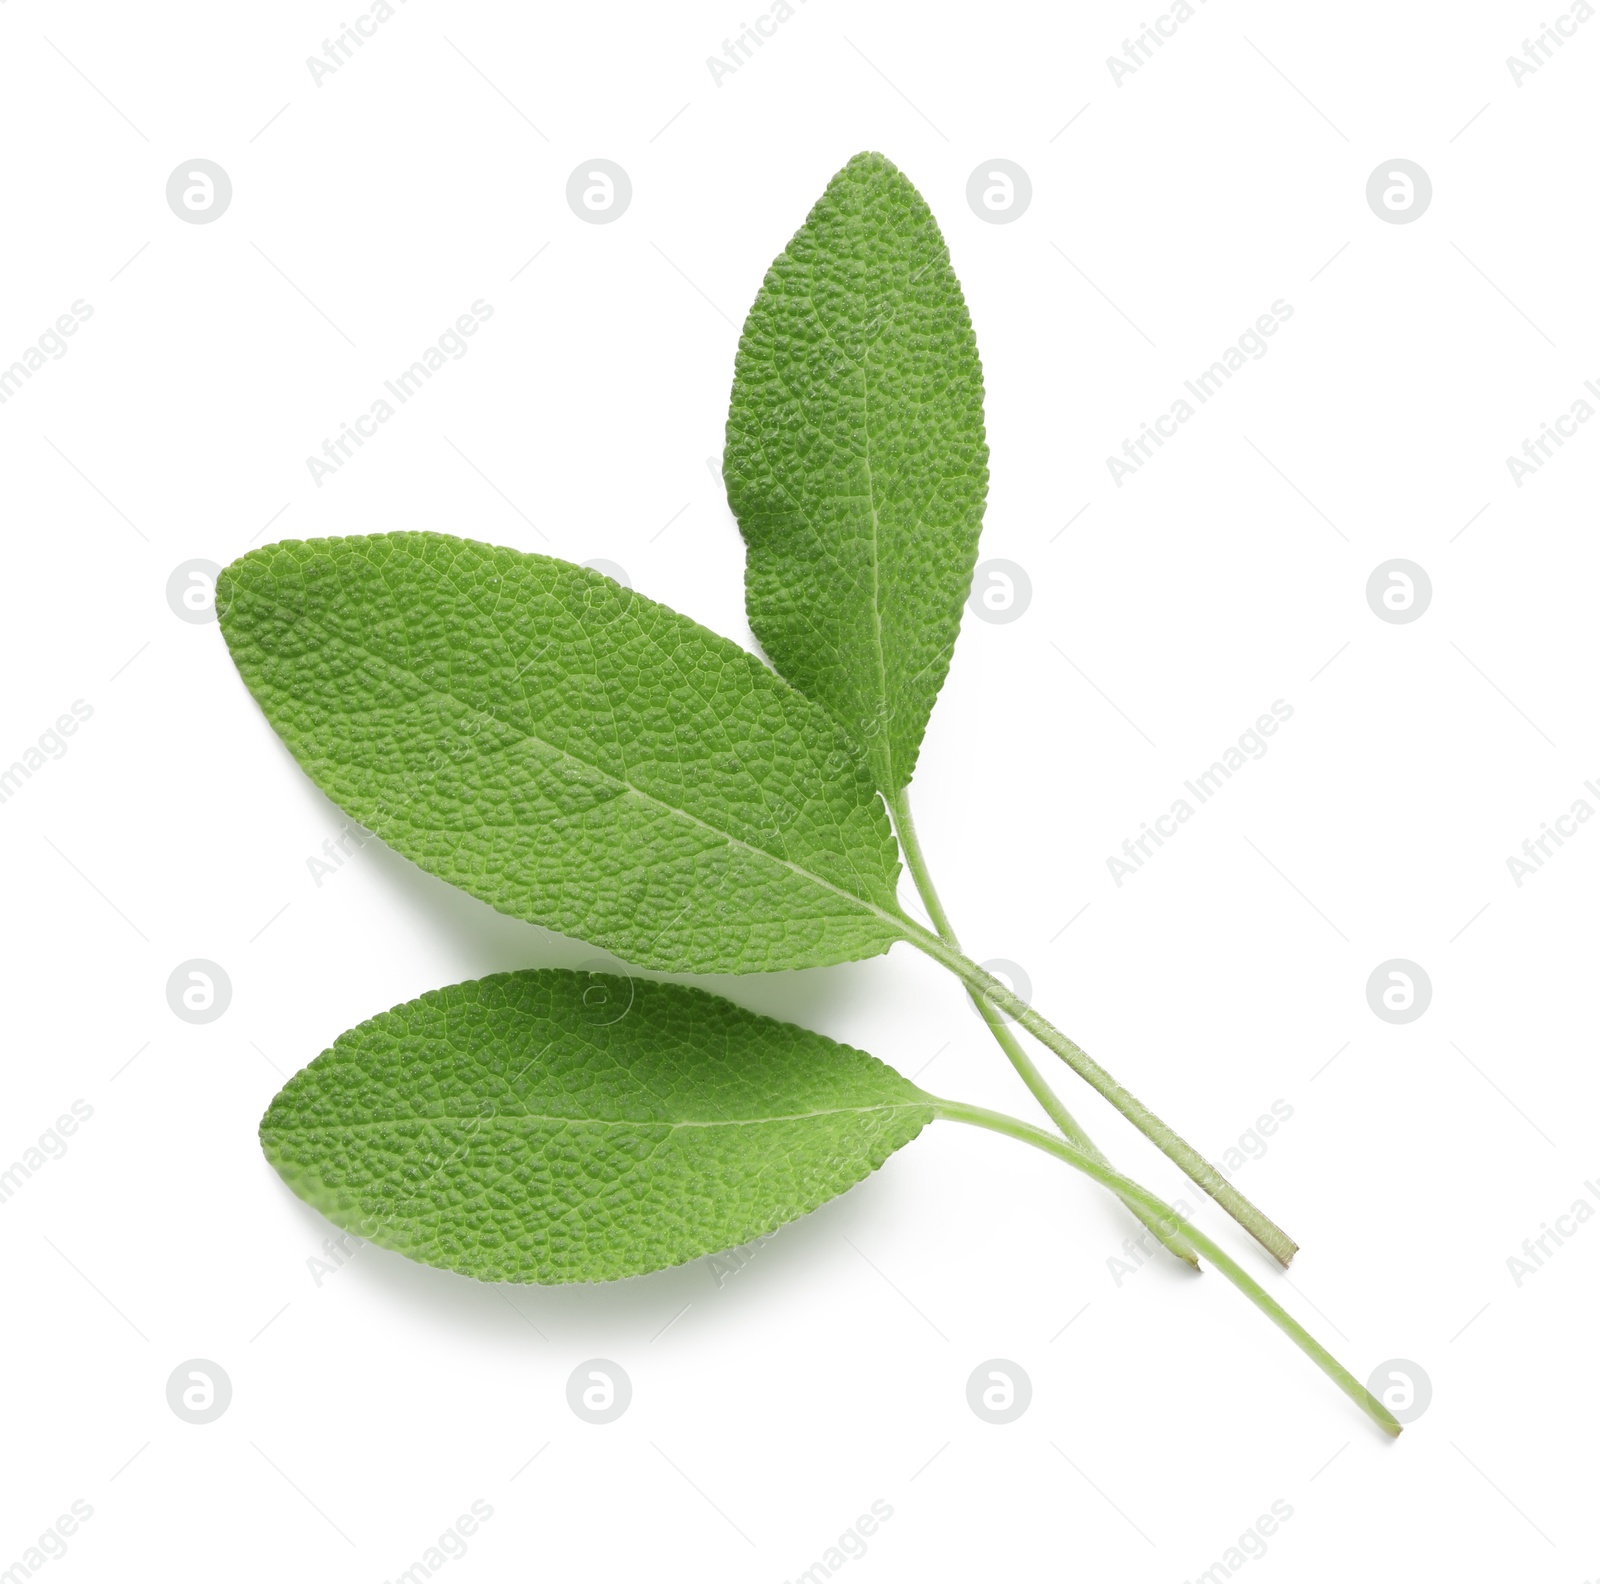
[[887, 753], [882, 734], [529, 1117], [628, 787]]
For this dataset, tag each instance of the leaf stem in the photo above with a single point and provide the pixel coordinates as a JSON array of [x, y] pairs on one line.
[[917, 863], [1179, 1151], [1130, 1192]]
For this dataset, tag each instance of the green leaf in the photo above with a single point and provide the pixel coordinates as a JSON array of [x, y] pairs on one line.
[[570, 752], [856, 464], [551, 1126]]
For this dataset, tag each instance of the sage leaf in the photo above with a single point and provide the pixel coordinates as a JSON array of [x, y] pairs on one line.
[[552, 1126], [856, 464], [567, 750]]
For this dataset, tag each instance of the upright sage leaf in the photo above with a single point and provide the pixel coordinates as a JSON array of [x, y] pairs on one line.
[[856, 464], [550, 1126], [857, 469], [567, 750]]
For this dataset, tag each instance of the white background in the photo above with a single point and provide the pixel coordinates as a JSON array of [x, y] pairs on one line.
[[1228, 172]]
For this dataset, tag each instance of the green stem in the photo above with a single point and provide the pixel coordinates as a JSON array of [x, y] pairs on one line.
[[1184, 1155], [1126, 1189], [906, 830]]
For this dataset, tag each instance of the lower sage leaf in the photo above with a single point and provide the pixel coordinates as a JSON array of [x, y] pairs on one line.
[[558, 1126], [553, 1126]]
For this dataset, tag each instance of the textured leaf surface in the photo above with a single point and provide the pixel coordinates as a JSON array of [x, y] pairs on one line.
[[569, 751], [856, 462], [552, 1126]]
